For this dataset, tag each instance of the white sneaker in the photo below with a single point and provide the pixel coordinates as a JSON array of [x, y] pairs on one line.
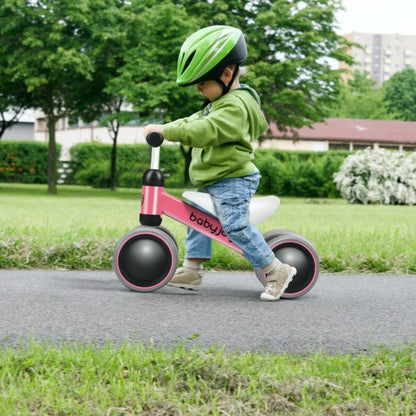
[[277, 282]]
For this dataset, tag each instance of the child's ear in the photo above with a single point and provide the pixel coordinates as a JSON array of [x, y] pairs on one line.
[[227, 74]]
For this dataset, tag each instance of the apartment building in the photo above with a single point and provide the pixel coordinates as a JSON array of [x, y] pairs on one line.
[[382, 55]]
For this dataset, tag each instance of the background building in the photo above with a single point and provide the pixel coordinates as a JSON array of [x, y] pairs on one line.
[[347, 134], [24, 129], [382, 55]]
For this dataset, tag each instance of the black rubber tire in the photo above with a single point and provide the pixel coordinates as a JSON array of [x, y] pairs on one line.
[[291, 248], [146, 258]]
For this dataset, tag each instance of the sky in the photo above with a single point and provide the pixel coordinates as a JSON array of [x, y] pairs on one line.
[[378, 16]]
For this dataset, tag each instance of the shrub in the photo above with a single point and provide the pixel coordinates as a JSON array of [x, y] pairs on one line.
[[97, 175], [83, 155], [25, 162], [92, 160], [378, 177], [284, 173], [306, 174]]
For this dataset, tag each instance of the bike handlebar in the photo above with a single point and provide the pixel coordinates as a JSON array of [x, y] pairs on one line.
[[154, 139]]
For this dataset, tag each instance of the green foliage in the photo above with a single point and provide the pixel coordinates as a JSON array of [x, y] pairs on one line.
[[85, 155], [306, 174], [24, 162], [90, 165], [148, 76], [96, 174], [400, 94], [87, 57], [359, 98], [284, 173], [287, 44], [288, 65], [49, 53]]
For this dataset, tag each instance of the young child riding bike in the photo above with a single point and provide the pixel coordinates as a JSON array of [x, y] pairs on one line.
[[221, 137]]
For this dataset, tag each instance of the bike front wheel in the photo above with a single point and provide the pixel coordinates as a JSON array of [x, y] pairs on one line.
[[146, 258]]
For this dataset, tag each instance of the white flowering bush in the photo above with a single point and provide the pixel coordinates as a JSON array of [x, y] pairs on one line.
[[378, 177]]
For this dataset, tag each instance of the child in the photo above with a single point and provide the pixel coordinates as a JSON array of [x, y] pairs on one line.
[[221, 136]]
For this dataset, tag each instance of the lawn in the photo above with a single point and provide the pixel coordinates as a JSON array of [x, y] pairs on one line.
[[79, 227], [133, 380]]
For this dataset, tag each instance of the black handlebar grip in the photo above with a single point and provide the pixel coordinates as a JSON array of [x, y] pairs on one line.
[[154, 139]]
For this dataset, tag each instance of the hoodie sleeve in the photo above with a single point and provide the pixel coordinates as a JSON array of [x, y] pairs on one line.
[[225, 123]]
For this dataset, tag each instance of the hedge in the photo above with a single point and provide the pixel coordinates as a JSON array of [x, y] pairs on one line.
[[299, 173], [24, 161], [90, 164], [284, 173]]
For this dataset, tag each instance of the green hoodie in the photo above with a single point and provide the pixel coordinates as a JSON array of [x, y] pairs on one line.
[[221, 136]]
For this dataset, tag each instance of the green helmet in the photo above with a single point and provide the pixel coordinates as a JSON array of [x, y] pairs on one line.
[[205, 54]]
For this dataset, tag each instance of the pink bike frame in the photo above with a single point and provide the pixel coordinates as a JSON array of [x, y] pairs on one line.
[[155, 201]]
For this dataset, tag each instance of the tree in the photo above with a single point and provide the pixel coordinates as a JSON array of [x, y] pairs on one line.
[[79, 57], [289, 43], [113, 39], [147, 79], [291, 67], [400, 95], [359, 98], [289, 47], [47, 43], [114, 118]]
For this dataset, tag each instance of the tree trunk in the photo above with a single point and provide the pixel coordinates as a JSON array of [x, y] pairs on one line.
[[113, 169], [52, 166]]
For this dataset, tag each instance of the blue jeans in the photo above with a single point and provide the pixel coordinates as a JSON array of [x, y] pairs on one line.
[[231, 198]]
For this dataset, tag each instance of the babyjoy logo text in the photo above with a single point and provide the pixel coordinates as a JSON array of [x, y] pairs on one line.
[[214, 229]]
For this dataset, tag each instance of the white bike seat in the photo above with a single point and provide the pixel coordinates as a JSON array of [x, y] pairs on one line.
[[260, 207]]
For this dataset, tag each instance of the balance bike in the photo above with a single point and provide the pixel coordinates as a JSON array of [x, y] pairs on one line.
[[146, 258]]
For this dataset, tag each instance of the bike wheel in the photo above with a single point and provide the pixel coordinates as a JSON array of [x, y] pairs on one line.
[[145, 258], [164, 229], [291, 248]]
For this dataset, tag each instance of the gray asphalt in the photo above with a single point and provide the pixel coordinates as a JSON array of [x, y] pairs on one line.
[[341, 314]]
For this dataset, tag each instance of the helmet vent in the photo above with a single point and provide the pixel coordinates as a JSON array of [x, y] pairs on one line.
[[188, 61]]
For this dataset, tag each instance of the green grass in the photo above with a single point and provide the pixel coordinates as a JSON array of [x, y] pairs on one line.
[[130, 379], [134, 380], [79, 227]]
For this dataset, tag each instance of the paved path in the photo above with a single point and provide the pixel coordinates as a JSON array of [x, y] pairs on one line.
[[342, 313]]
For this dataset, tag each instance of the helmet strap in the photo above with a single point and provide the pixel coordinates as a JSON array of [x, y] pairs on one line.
[[205, 103]]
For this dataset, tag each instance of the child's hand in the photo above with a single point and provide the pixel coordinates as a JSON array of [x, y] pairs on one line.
[[152, 128]]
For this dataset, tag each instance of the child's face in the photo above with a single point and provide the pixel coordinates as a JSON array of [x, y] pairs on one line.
[[210, 89]]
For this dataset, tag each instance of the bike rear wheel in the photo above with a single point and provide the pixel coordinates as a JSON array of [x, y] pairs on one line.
[[294, 249]]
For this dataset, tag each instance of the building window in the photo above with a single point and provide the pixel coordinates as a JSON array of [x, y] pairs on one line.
[[361, 146], [388, 146], [409, 148], [339, 146]]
